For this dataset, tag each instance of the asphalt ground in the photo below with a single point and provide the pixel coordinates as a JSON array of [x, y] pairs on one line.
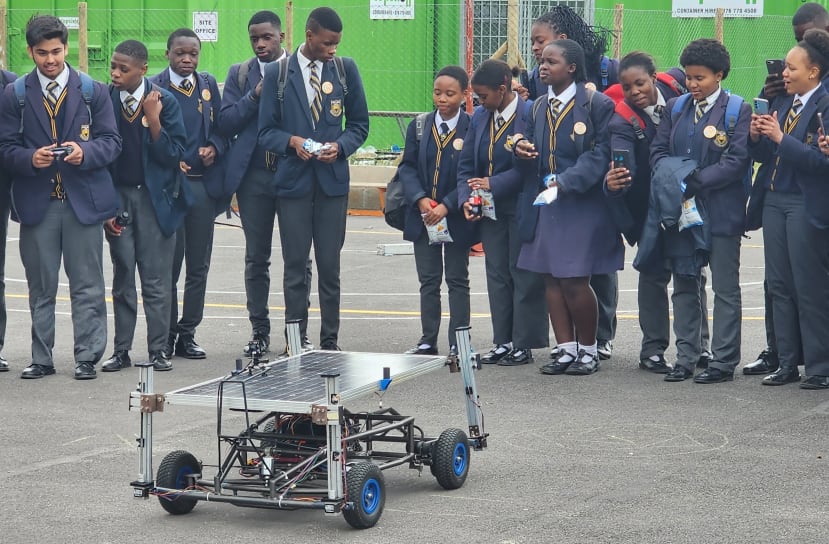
[[619, 456]]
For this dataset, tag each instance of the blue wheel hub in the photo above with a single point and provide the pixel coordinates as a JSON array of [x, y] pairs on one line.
[[459, 458], [371, 496]]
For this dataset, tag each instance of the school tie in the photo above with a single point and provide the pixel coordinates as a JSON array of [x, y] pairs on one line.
[[186, 85], [658, 110], [499, 122], [129, 104], [444, 132], [700, 111], [794, 114], [316, 105], [51, 87], [555, 104]]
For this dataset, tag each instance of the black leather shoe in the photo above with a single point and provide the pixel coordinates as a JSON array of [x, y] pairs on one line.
[[168, 350], [557, 366], [815, 382], [422, 349], [517, 357], [705, 359], [187, 347], [584, 364], [766, 362], [782, 376], [258, 345], [4, 366], [332, 346], [33, 372], [713, 375], [160, 362], [657, 367], [120, 359], [605, 349], [85, 371], [678, 374], [495, 354]]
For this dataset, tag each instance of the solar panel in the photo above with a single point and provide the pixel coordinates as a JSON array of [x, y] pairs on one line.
[[294, 384]]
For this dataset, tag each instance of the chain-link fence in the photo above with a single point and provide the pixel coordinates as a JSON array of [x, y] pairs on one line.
[[398, 58]]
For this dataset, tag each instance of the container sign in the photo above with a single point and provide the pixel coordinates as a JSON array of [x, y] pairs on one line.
[[206, 25], [391, 9], [708, 8], [72, 23]]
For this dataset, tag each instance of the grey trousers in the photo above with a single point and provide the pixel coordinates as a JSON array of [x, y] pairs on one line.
[[606, 287], [433, 263], [726, 331], [4, 230], [61, 235], [141, 245], [516, 296], [194, 247], [797, 272]]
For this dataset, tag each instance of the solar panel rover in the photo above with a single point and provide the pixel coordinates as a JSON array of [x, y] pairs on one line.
[[295, 383]]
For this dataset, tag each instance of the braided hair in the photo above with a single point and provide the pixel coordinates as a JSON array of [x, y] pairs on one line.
[[592, 39]]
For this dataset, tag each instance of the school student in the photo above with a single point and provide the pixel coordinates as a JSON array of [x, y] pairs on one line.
[[311, 182], [6, 77], [794, 204], [516, 297], [702, 131], [56, 148], [153, 203], [563, 219], [628, 186], [198, 95], [429, 173]]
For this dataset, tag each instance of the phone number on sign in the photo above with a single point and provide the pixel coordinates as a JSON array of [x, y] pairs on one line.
[[711, 12]]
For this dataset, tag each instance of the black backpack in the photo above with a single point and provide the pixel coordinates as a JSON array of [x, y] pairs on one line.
[[394, 210]]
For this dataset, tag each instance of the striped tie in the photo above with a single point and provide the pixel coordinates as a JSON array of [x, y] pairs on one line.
[[499, 122], [316, 105], [700, 111], [129, 104], [444, 132], [555, 104], [186, 85], [50, 92], [793, 117], [658, 110]]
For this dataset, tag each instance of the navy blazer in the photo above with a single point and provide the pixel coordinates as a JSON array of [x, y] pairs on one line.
[[801, 162], [168, 186], [416, 178], [89, 187], [721, 173], [238, 121], [5, 179], [588, 170], [295, 177], [214, 176], [503, 183]]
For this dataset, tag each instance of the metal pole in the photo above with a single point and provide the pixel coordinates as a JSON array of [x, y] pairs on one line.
[[468, 360], [83, 38], [469, 60], [289, 26], [512, 33], [334, 439], [618, 22], [718, 24], [4, 29]]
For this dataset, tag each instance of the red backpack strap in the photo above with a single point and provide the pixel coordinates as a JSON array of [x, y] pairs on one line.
[[671, 82], [626, 112]]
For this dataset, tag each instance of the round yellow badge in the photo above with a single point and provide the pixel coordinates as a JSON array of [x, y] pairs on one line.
[[327, 87], [590, 85], [580, 128], [458, 144], [206, 94], [144, 122], [710, 131]]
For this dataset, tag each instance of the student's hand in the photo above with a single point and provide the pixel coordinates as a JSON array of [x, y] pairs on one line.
[[76, 157], [42, 157], [522, 91], [152, 106], [479, 183], [111, 228], [618, 179], [769, 127], [207, 155], [774, 86], [258, 90], [524, 149], [754, 128], [823, 143], [329, 155], [467, 212], [296, 143], [434, 215], [184, 167]]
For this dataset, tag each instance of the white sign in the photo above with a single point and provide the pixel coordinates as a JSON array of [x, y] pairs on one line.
[[708, 8], [72, 23], [206, 25], [391, 9]]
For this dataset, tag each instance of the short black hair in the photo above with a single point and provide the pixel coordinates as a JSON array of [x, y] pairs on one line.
[[134, 50], [811, 12], [324, 18], [455, 72], [493, 73], [265, 16], [45, 27], [573, 54], [816, 44], [709, 53], [181, 33], [638, 58], [593, 40]]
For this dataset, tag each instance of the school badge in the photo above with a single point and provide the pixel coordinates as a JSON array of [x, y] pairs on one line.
[[721, 139], [144, 122], [457, 143], [509, 144], [590, 86], [205, 94], [580, 128], [336, 107], [84, 133], [327, 87], [710, 131], [810, 138]]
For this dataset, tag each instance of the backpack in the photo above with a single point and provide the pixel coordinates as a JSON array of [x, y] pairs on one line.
[[732, 114], [282, 78], [87, 92], [627, 113], [394, 209]]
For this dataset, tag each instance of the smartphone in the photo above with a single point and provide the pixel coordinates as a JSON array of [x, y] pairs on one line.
[[761, 106], [775, 66], [621, 158], [61, 150], [820, 122]]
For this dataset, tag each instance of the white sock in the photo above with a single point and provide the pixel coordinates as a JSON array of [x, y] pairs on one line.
[[590, 350], [569, 349]]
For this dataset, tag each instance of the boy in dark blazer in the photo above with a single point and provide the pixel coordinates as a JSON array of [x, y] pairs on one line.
[[6, 77], [198, 96], [312, 188], [147, 178], [62, 193]]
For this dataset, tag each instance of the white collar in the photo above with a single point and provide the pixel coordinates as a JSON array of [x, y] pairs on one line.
[[176, 79], [453, 122], [263, 64], [509, 111], [62, 80], [138, 94], [566, 95], [660, 101], [305, 61], [711, 99], [804, 98]]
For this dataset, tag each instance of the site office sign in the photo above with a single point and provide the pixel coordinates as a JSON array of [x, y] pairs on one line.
[[708, 8]]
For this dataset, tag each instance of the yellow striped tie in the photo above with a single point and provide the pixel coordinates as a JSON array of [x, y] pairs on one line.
[[555, 104], [792, 118], [186, 85], [50, 92], [700, 111], [129, 104], [316, 105]]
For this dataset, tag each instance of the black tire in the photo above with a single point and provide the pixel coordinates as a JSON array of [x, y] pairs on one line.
[[450, 458], [172, 474], [366, 490], [270, 427]]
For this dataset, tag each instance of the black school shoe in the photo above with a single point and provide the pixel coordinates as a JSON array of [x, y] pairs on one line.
[[517, 357], [421, 349], [658, 366], [713, 375], [584, 364], [496, 354], [33, 372], [85, 371], [679, 374]]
